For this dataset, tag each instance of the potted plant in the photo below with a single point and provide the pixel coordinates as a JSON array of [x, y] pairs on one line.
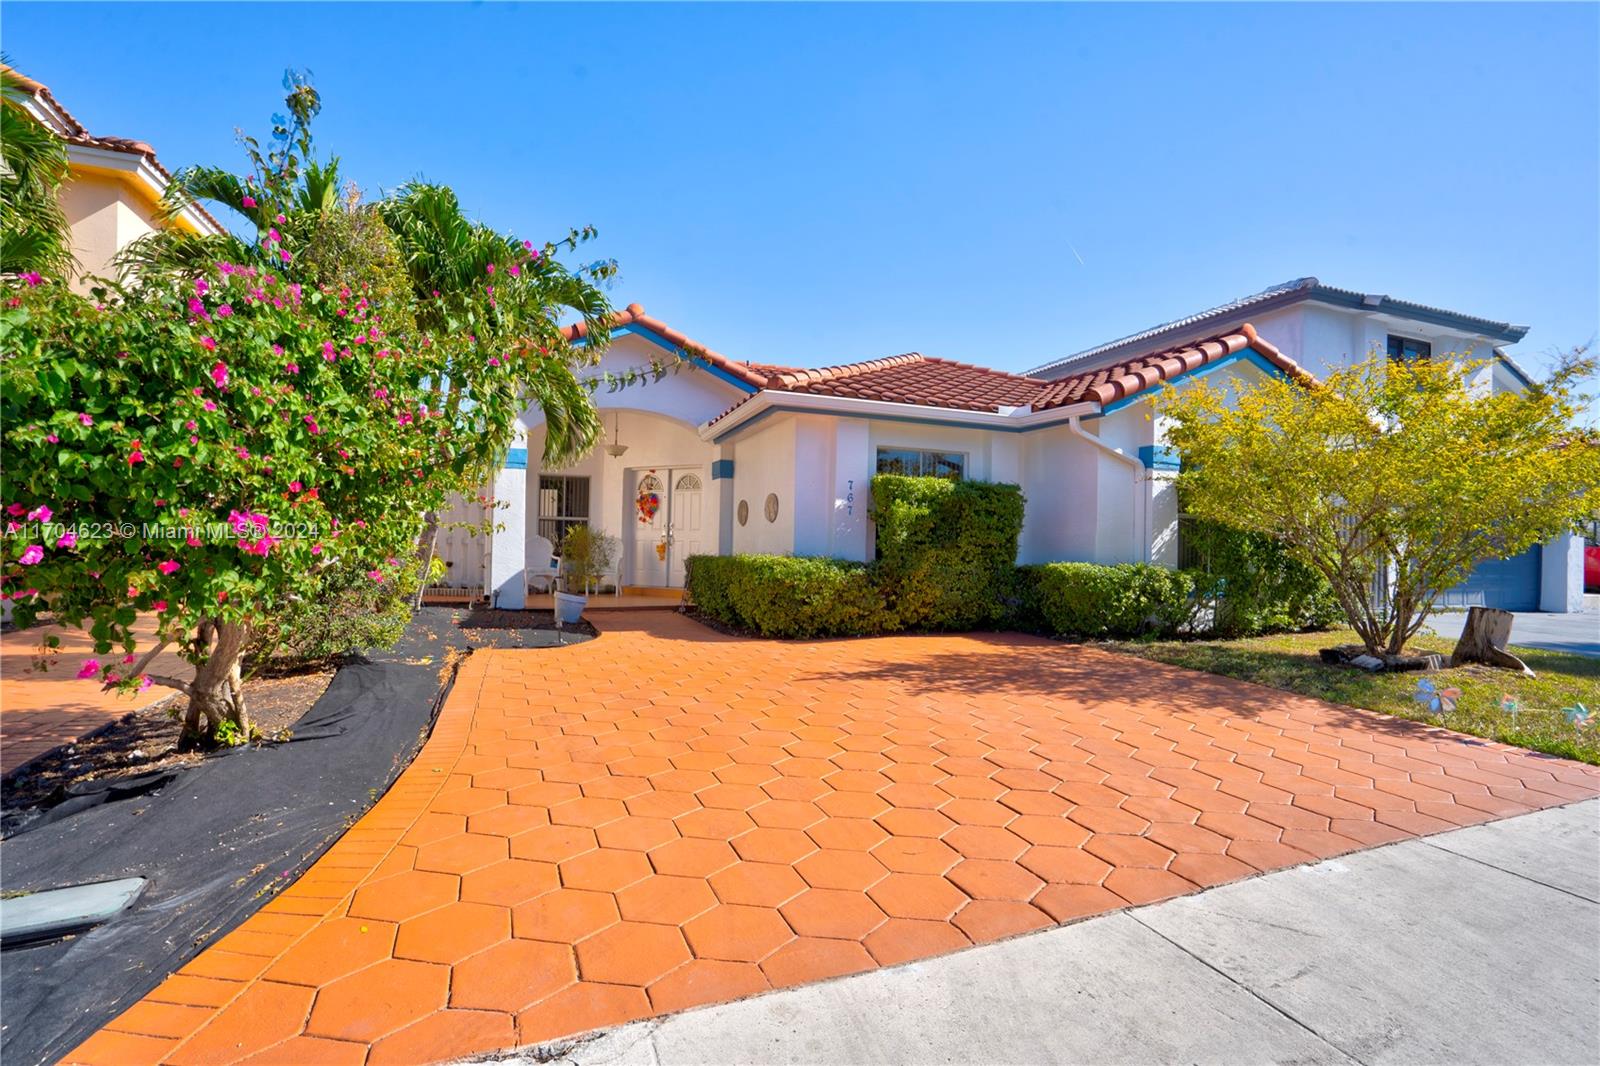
[[587, 555]]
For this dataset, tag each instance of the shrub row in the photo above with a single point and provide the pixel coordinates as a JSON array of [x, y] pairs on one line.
[[785, 596], [946, 560]]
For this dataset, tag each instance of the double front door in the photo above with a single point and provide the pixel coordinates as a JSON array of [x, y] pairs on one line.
[[666, 506]]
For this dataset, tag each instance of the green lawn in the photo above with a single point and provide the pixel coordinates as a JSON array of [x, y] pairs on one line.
[[1289, 661]]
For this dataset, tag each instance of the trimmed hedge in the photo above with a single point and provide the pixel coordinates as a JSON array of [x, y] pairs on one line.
[[784, 596], [945, 548], [1090, 600]]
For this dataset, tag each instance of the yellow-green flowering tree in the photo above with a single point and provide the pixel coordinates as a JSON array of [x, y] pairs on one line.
[[1411, 469]]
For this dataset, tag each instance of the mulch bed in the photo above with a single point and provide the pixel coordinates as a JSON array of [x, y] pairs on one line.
[[147, 739]]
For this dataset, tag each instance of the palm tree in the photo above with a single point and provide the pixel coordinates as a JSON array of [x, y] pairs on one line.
[[33, 164]]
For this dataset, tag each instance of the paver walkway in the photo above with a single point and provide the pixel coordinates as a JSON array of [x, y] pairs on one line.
[[43, 709], [665, 817]]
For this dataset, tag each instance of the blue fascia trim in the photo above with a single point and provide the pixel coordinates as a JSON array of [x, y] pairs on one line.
[[721, 469], [665, 345], [1249, 355], [906, 419], [517, 459], [1155, 458]]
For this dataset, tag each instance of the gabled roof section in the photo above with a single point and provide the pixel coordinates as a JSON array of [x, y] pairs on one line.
[[1120, 380], [752, 375], [55, 117], [1235, 312]]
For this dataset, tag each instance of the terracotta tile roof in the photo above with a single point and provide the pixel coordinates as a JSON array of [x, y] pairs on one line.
[[1108, 384], [922, 381], [755, 374], [915, 379], [76, 133]]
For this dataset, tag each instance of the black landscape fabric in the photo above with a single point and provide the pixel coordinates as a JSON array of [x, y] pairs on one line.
[[217, 840]]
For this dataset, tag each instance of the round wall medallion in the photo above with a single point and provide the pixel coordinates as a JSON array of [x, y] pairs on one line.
[[744, 511], [772, 507]]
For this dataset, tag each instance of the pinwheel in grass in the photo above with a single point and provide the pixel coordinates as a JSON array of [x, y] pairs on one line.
[[1435, 700], [1578, 715], [1509, 704]]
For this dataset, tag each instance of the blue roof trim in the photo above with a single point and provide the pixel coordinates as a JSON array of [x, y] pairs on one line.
[[661, 342], [1249, 355], [721, 469]]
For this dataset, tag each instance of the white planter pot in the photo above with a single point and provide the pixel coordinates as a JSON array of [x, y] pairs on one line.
[[569, 608]]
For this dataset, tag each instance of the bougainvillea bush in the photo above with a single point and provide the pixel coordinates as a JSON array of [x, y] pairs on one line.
[[200, 453], [247, 422]]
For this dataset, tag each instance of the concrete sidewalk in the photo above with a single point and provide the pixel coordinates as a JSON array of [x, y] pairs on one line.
[[1475, 946]]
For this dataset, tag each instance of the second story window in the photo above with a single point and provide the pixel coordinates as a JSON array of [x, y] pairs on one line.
[[1408, 349]]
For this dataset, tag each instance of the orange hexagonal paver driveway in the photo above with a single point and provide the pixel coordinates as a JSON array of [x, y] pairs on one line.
[[666, 817]]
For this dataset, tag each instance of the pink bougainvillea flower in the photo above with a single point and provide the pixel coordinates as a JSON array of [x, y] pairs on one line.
[[68, 539], [87, 420], [210, 405], [90, 668], [494, 361], [31, 555], [16, 510], [137, 455], [244, 453], [376, 575], [515, 270], [130, 657], [292, 368], [316, 549], [40, 513], [527, 246], [160, 605], [201, 286], [311, 424], [491, 268], [33, 278], [208, 343], [224, 311], [192, 541], [219, 373], [295, 486], [169, 567], [191, 425], [284, 257], [145, 682], [248, 201], [53, 439]]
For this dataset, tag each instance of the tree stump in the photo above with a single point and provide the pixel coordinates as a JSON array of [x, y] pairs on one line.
[[1484, 639]]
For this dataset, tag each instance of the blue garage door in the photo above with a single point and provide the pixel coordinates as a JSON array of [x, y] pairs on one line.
[[1511, 584]]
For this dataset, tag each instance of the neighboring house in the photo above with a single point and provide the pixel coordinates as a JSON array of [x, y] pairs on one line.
[[113, 191], [729, 456], [1323, 328]]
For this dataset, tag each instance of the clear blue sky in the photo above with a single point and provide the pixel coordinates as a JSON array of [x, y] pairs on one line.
[[1000, 185]]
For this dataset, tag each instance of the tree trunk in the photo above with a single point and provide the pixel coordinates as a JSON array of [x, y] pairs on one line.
[[1484, 638], [425, 548], [216, 695]]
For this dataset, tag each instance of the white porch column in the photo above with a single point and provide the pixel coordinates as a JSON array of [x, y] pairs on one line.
[[508, 551], [722, 469], [852, 489]]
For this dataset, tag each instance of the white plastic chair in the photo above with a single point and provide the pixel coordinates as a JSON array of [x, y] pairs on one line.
[[543, 566]]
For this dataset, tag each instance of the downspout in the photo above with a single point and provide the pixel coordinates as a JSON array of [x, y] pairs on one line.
[[1141, 520]]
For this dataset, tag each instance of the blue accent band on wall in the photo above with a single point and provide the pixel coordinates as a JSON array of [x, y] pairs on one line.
[[1155, 458], [517, 459], [721, 468]]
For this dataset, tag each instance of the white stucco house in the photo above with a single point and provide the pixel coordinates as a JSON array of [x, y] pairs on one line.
[[729, 456]]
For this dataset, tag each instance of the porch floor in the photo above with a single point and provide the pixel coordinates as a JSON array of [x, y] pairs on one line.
[[630, 599]]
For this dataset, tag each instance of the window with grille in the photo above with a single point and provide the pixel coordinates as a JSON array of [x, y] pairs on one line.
[[563, 503], [913, 462]]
